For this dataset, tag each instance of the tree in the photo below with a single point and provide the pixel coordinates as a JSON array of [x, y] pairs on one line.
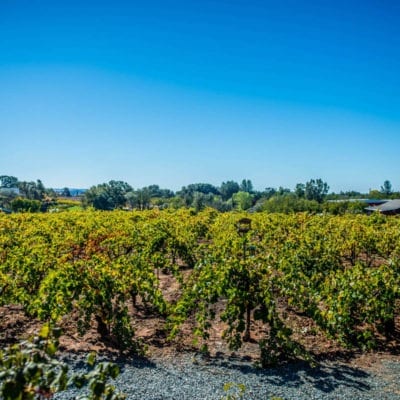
[[269, 192], [376, 194], [187, 192], [176, 202], [143, 198], [100, 198], [300, 190], [8, 189], [155, 191], [199, 201], [25, 205], [65, 192], [228, 189], [219, 204], [107, 196], [242, 200], [343, 207], [386, 188], [283, 191], [8, 181], [316, 190], [6, 197], [205, 188], [32, 190], [117, 190], [246, 186], [31, 370], [290, 203], [40, 188]]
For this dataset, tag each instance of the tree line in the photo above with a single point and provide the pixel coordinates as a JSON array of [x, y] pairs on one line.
[[312, 196]]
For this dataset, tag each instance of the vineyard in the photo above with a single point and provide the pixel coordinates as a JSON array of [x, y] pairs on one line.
[[191, 271]]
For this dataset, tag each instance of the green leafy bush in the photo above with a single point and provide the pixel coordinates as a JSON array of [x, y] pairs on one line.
[[29, 370]]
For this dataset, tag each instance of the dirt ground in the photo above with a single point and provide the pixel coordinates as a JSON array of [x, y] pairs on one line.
[[15, 325]]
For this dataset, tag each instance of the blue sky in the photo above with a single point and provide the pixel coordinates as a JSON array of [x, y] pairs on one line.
[[178, 92]]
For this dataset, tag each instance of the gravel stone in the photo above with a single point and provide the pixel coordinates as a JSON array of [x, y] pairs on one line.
[[191, 377]]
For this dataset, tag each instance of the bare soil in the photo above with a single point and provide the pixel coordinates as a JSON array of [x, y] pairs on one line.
[[16, 325]]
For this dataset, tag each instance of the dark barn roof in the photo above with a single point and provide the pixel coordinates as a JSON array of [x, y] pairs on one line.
[[389, 207]]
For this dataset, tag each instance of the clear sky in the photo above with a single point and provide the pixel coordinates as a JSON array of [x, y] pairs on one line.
[[179, 92]]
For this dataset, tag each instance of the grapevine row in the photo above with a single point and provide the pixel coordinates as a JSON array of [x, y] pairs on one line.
[[340, 271]]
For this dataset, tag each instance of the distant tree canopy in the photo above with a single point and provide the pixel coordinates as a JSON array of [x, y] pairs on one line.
[[242, 200], [205, 188], [32, 190], [228, 189], [107, 196], [65, 192], [386, 188], [350, 194], [385, 192], [155, 191], [139, 199], [202, 200], [300, 190], [25, 205], [8, 181], [314, 189], [269, 192], [13, 189], [344, 206], [311, 196], [200, 195], [188, 193], [290, 203], [117, 194], [246, 186]]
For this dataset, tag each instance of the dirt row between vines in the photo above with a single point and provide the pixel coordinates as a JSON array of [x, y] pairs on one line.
[[16, 325]]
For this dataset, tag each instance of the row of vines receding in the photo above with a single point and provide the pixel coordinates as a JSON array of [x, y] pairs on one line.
[[96, 267]]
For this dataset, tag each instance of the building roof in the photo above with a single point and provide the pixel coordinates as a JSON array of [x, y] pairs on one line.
[[371, 202], [389, 206]]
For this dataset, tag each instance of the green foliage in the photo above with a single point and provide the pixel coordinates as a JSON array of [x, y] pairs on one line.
[[377, 194], [316, 189], [198, 195], [343, 207], [228, 189], [97, 379], [290, 204], [386, 188], [32, 190], [29, 370], [140, 199], [242, 200], [25, 205], [65, 192], [359, 301], [234, 391], [246, 186], [107, 196], [7, 181], [340, 271]]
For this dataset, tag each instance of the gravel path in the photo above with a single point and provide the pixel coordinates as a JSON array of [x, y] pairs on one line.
[[187, 377]]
